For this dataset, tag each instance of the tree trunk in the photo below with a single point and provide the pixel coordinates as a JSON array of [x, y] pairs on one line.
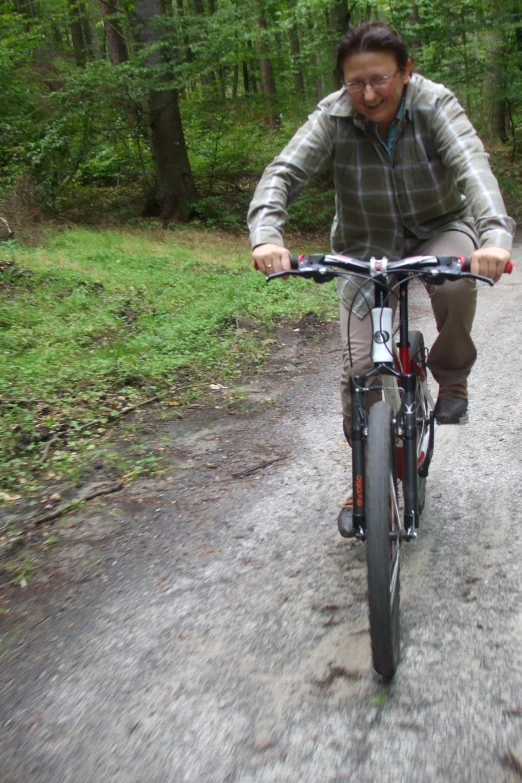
[[252, 72], [268, 86], [319, 92], [235, 81], [115, 39], [186, 42], [296, 52], [86, 28], [27, 7], [78, 41], [467, 97], [495, 89], [175, 190], [414, 21], [339, 17]]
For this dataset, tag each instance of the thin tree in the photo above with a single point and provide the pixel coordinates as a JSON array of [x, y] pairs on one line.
[[268, 85], [115, 39], [175, 189]]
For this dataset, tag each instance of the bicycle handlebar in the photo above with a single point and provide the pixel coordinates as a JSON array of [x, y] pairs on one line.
[[434, 269], [395, 266]]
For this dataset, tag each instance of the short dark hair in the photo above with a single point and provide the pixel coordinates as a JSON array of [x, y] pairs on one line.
[[372, 37]]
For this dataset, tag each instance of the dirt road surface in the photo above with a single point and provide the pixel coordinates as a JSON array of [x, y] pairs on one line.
[[210, 625]]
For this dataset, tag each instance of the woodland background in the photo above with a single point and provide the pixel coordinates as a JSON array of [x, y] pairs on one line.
[[132, 134], [130, 109]]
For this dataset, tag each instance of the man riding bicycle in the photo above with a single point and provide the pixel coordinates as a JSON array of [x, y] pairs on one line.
[[411, 178]]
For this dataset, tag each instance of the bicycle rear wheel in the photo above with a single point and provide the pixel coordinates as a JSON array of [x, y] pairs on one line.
[[418, 357], [383, 550]]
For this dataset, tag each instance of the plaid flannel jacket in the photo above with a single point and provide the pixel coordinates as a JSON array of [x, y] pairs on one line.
[[437, 178]]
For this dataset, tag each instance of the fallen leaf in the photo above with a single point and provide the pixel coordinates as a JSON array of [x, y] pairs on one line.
[[216, 386], [337, 671], [5, 496], [378, 699]]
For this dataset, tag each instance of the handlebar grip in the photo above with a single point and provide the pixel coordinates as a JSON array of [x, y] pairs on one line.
[[294, 262], [466, 265]]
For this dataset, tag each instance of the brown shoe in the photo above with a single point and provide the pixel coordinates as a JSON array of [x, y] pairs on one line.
[[452, 403], [345, 518]]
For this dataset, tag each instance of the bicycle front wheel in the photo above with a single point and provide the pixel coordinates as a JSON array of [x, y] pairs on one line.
[[383, 542]]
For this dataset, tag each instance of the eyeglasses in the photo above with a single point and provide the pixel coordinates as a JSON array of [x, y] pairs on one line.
[[377, 83]]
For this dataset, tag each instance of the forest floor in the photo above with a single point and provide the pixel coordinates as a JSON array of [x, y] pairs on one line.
[[208, 624]]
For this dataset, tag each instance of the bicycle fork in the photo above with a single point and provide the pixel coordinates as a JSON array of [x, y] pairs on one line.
[[407, 428], [408, 416], [358, 454]]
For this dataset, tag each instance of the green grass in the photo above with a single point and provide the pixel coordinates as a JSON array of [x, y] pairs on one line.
[[91, 321]]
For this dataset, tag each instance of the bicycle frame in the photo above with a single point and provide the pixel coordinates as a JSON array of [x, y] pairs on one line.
[[413, 453]]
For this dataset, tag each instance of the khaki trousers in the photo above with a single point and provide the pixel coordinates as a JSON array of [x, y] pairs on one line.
[[453, 353]]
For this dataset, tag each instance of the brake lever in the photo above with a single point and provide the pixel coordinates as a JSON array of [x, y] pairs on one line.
[[443, 274], [315, 274], [483, 279], [286, 273]]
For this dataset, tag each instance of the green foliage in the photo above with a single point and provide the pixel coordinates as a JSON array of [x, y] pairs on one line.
[[81, 135], [91, 320]]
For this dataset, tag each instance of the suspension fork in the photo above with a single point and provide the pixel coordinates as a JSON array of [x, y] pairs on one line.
[[404, 345], [357, 383], [409, 417]]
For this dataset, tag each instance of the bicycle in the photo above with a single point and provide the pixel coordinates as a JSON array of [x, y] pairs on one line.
[[394, 441]]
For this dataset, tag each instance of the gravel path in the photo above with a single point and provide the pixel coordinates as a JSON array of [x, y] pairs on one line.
[[213, 625]]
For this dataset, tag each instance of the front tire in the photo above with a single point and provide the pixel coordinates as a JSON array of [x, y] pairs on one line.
[[383, 551]]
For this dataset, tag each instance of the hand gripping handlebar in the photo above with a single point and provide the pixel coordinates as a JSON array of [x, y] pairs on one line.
[[434, 269]]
